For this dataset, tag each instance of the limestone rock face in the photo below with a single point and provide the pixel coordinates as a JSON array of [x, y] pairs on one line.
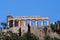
[[24, 29], [54, 34], [38, 31]]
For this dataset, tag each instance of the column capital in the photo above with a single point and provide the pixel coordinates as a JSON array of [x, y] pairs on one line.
[[30, 19], [36, 19], [25, 19], [42, 19]]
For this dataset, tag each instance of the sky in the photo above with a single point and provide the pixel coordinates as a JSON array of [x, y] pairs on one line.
[[44, 8]]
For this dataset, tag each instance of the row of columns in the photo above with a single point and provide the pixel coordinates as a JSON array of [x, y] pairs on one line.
[[42, 23], [19, 23]]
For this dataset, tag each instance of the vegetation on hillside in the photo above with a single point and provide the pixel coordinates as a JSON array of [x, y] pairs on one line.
[[49, 38], [4, 24], [29, 36], [12, 36], [56, 27]]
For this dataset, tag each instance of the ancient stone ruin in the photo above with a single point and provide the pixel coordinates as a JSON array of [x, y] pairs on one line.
[[16, 23]]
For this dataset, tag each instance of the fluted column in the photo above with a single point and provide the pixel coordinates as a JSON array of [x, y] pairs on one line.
[[13, 23], [42, 24], [36, 23], [19, 23], [24, 22], [30, 22], [8, 23], [48, 23]]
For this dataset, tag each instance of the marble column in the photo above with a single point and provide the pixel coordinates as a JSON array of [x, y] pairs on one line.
[[8, 24], [36, 23], [13, 23], [48, 23], [19, 23], [42, 24], [24, 22], [30, 22]]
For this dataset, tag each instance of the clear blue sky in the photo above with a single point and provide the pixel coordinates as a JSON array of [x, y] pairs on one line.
[[49, 8]]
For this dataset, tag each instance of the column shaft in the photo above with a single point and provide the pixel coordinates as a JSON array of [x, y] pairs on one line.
[[30, 22], [36, 23], [42, 23], [24, 23], [8, 23], [19, 23], [48, 23], [13, 23]]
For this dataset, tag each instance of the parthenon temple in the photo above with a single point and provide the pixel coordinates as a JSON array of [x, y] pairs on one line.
[[14, 21]]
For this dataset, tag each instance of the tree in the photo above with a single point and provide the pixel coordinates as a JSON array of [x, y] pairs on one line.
[[19, 31], [58, 22], [30, 36], [12, 36], [56, 27], [28, 28], [45, 30], [4, 24], [47, 38]]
